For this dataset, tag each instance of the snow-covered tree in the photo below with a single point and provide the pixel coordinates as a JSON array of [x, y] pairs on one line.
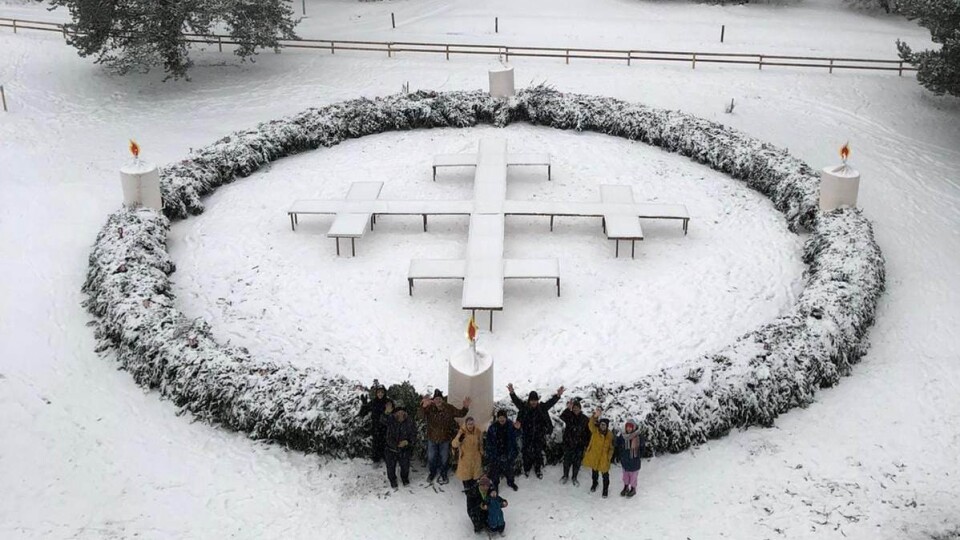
[[127, 35], [938, 70]]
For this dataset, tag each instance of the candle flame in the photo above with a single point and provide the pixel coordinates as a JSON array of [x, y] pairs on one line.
[[472, 330], [134, 148], [845, 151]]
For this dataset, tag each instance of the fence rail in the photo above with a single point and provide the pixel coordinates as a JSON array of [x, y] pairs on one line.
[[628, 56]]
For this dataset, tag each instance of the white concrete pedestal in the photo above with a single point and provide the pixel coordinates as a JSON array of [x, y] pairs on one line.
[[472, 376], [839, 186], [140, 181], [501, 82]]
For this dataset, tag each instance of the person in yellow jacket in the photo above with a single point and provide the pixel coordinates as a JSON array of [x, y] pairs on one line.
[[599, 451], [469, 444]]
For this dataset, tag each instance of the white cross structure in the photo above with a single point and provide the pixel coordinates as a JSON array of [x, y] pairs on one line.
[[484, 268]]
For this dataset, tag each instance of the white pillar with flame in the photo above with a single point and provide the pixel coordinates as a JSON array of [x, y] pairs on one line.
[[470, 374], [840, 184], [140, 181]]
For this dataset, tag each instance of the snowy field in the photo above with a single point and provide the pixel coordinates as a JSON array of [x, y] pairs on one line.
[[287, 296], [85, 453]]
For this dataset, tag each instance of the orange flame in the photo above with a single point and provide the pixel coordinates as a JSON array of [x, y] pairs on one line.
[[845, 151], [472, 329], [134, 148]]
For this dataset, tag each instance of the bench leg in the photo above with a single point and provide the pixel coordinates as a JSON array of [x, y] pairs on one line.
[[491, 320], [353, 246], [549, 177], [603, 225], [633, 249], [373, 221], [338, 246], [618, 248], [558, 287], [293, 226], [685, 223], [410, 283], [424, 223], [551, 223], [296, 218], [434, 173]]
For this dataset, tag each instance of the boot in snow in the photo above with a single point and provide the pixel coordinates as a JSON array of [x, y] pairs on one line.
[[632, 492], [623, 492], [564, 479]]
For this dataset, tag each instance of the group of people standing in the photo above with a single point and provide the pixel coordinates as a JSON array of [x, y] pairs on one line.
[[483, 458]]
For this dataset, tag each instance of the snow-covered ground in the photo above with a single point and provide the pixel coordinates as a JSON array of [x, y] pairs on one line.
[[287, 296], [85, 453]]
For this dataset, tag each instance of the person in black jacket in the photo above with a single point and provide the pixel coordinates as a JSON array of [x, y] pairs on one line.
[[400, 435], [500, 448], [535, 425], [476, 497], [576, 437], [375, 408]]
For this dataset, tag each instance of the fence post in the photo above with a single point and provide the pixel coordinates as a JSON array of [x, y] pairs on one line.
[[831, 65], [3, 98], [448, 51], [63, 28], [303, 6], [220, 43], [496, 25], [900, 71], [723, 29], [389, 52], [694, 60], [393, 21], [629, 54], [568, 56], [761, 61], [332, 48], [506, 51], [14, 26]]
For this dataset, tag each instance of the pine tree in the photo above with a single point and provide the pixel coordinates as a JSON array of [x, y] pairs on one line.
[[135, 35], [937, 70]]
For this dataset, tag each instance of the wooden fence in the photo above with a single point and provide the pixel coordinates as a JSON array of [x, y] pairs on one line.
[[566, 54]]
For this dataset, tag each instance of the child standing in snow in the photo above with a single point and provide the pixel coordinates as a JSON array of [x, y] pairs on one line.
[[494, 506], [629, 449]]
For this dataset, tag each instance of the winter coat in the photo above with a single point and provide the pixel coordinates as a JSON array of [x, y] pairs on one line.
[[498, 450], [628, 460], [475, 501], [396, 431], [495, 506], [600, 450], [441, 425], [374, 408], [535, 422], [576, 432], [470, 454]]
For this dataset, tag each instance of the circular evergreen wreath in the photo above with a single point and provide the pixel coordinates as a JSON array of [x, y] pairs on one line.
[[764, 373]]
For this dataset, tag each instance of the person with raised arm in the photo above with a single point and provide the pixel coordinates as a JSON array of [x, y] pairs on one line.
[[440, 417], [576, 437], [599, 451], [535, 425], [400, 436]]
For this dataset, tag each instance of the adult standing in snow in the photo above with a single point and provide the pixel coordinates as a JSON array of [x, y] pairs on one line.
[[375, 407], [576, 437], [440, 417], [469, 445], [476, 500], [400, 436], [535, 425], [629, 449], [599, 451], [501, 449]]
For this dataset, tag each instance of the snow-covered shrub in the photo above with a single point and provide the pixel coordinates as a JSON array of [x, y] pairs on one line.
[[764, 373]]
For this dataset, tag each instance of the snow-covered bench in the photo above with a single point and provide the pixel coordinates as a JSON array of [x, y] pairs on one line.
[[513, 160], [457, 269], [620, 223]]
